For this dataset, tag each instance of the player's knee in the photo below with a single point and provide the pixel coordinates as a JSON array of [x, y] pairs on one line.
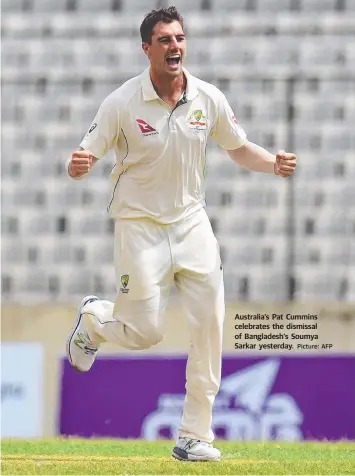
[[148, 339]]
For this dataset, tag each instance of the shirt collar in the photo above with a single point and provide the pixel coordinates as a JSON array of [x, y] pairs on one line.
[[149, 93]]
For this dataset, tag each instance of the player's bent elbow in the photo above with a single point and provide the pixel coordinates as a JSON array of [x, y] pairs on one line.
[[238, 155]]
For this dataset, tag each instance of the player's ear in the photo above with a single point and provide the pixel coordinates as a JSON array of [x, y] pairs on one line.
[[145, 48]]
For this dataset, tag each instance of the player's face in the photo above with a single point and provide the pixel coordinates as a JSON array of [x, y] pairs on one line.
[[168, 49]]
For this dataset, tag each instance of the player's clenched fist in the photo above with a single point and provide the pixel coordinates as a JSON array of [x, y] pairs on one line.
[[81, 163], [285, 164]]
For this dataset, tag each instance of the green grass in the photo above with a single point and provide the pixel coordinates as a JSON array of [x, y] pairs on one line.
[[126, 457]]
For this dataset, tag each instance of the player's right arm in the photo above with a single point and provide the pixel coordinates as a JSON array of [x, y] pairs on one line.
[[80, 163], [101, 137]]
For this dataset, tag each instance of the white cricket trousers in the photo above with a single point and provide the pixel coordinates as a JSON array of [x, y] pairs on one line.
[[149, 258]]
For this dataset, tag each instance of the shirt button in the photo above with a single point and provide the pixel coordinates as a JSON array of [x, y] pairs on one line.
[[173, 124]]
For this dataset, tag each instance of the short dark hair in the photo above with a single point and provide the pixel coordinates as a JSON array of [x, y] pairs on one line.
[[166, 15]]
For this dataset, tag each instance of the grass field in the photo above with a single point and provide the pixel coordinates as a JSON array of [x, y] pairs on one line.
[[77, 456]]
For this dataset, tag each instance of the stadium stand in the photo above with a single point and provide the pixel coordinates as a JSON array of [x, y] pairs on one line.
[[286, 66]]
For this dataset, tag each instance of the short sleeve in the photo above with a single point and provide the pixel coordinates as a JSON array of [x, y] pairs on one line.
[[103, 133], [227, 132]]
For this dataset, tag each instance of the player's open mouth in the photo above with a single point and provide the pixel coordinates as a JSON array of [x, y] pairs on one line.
[[173, 61]]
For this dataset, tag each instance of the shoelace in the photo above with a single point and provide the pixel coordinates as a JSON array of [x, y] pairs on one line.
[[88, 347], [189, 440], [90, 350]]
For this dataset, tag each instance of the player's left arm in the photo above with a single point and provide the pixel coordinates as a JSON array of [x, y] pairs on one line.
[[253, 157], [229, 135]]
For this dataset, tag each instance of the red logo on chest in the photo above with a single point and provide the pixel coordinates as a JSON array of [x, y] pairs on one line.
[[145, 128]]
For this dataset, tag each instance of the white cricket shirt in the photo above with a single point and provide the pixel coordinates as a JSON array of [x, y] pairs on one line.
[[161, 153]]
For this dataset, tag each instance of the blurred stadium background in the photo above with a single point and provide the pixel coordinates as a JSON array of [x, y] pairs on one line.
[[288, 69]]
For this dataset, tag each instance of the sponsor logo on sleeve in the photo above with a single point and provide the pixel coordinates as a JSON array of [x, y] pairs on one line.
[[92, 128], [124, 282]]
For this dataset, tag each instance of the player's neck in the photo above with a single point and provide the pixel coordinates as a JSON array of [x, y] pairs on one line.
[[169, 89]]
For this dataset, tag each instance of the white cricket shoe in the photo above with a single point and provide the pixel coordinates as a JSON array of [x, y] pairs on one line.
[[81, 351], [189, 449]]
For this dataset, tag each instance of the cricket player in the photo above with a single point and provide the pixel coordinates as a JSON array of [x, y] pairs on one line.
[[158, 124]]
